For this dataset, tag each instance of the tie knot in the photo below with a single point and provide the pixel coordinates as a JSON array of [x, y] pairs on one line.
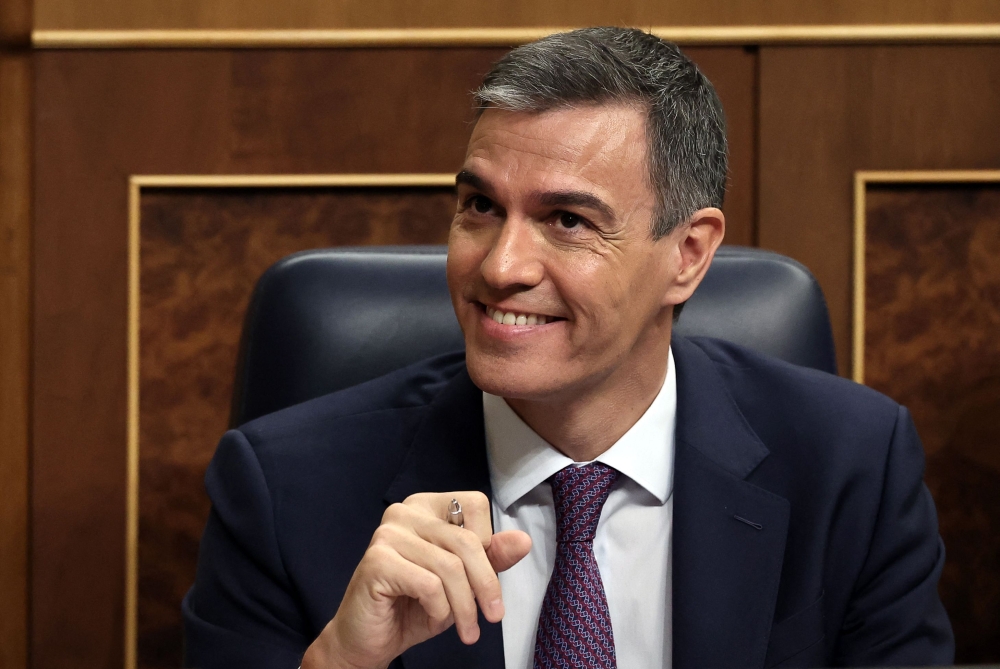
[[579, 494]]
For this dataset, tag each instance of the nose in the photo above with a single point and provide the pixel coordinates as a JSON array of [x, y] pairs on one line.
[[514, 259]]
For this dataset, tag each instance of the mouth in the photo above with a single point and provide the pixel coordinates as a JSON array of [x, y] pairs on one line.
[[517, 317]]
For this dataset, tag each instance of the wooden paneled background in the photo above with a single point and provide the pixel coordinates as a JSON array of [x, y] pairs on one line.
[[256, 14], [932, 314], [806, 111], [201, 252]]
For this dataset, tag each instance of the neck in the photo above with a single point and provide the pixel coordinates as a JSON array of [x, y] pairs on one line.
[[591, 421]]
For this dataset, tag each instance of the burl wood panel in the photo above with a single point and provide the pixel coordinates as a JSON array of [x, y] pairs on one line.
[[201, 252], [932, 316], [826, 112], [101, 116]]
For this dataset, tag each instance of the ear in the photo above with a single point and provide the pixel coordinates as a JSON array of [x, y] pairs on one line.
[[694, 244]]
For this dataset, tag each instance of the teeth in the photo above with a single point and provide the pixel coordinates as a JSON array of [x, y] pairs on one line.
[[512, 318]]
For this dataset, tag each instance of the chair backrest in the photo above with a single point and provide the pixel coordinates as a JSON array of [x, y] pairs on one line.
[[328, 319]]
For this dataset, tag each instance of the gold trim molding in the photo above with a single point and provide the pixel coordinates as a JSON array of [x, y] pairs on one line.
[[135, 185], [484, 37], [862, 179]]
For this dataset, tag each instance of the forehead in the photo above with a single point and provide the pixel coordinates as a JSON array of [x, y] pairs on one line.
[[600, 145]]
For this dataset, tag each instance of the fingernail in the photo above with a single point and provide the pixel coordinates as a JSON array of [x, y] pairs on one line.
[[497, 607]]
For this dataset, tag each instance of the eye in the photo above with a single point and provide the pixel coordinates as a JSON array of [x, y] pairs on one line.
[[482, 204], [569, 220]]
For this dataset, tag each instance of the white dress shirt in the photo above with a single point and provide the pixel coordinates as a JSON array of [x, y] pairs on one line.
[[633, 540]]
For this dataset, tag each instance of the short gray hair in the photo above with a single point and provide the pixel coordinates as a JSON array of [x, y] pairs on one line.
[[685, 124]]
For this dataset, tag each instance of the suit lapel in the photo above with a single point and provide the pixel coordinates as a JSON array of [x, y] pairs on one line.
[[729, 535], [449, 453], [725, 570]]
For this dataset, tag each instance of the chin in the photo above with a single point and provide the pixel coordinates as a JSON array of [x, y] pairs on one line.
[[513, 379]]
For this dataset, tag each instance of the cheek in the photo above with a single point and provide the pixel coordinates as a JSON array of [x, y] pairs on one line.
[[463, 258], [598, 294], [614, 302]]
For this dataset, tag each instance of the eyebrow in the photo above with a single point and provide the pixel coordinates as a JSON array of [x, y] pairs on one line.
[[470, 179], [562, 198], [575, 198]]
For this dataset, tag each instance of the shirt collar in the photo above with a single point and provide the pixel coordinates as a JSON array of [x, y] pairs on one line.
[[520, 459]]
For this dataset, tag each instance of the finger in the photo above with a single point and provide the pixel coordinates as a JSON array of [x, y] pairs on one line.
[[507, 549], [424, 513], [394, 576], [446, 566], [475, 509], [478, 571]]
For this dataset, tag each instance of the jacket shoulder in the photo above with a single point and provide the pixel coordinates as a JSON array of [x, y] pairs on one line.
[[382, 411], [748, 372], [805, 411]]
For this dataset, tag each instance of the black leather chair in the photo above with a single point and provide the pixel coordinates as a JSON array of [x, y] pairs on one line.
[[328, 319]]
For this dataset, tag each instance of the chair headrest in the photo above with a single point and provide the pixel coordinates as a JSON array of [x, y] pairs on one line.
[[328, 319]]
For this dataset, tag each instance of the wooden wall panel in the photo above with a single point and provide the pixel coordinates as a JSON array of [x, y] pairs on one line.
[[15, 351], [733, 72], [201, 252], [114, 14], [16, 22], [826, 112], [932, 312], [102, 116]]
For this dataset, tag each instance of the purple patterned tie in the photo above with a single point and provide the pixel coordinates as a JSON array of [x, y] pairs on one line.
[[574, 629]]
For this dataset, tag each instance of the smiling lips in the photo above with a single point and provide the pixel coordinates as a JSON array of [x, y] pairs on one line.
[[514, 318]]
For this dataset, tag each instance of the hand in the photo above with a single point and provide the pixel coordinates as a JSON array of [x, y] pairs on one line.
[[419, 576]]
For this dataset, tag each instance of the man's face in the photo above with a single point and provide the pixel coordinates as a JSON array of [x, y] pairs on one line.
[[553, 233]]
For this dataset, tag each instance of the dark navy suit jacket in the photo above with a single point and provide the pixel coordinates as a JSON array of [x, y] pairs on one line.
[[835, 562]]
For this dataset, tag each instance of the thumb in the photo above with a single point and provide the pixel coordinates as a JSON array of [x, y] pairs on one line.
[[507, 548]]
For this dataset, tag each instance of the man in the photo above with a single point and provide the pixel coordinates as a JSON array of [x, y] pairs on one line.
[[628, 499]]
